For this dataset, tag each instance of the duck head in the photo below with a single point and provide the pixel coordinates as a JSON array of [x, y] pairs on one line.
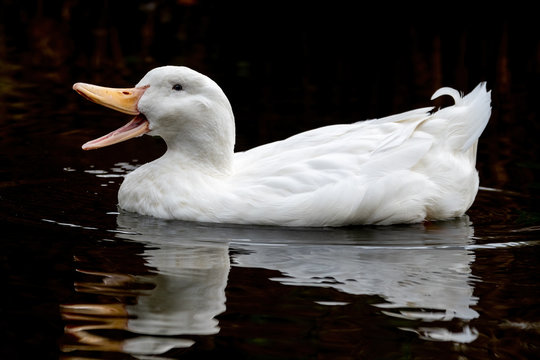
[[187, 109]]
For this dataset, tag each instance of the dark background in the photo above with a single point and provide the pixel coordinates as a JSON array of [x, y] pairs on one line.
[[287, 66]]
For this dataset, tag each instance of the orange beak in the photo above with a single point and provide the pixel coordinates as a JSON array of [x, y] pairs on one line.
[[123, 100]]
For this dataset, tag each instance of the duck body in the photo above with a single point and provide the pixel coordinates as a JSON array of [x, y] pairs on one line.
[[405, 168]]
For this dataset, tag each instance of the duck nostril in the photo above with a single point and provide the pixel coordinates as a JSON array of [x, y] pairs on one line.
[[126, 92]]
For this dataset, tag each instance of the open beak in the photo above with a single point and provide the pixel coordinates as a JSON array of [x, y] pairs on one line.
[[123, 100]]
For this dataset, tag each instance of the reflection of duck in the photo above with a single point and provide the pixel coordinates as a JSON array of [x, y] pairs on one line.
[[422, 272], [182, 295], [189, 291], [399, 169]]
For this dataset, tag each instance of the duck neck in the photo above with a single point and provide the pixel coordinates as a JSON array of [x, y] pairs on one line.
[[208, 153]]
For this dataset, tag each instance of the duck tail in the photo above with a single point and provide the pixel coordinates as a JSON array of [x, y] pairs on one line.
[[468, 117]]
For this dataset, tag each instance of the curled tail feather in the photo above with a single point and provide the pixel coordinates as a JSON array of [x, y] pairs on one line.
[[468, 117]]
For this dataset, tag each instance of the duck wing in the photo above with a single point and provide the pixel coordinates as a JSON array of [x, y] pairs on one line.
[[325, 175]]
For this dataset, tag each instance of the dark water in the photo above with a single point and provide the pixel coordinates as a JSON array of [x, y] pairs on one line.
[[82, 280]]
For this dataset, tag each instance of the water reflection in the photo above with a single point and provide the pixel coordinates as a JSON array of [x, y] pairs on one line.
[[180, 293], [421, 271]]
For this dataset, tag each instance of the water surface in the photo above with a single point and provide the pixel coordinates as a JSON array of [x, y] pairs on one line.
[[86, 280]]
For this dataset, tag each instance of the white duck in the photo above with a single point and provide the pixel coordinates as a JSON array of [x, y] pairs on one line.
[[404, 168]]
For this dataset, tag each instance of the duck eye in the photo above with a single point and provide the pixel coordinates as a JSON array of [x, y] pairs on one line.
[[177, 87]]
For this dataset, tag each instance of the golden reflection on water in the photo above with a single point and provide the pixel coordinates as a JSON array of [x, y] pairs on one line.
[[93, 317]]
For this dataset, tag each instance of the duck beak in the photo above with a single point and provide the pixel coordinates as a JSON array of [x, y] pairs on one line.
[[123, 100]]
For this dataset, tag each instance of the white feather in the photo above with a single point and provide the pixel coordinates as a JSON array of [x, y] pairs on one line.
[[404, 168]]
